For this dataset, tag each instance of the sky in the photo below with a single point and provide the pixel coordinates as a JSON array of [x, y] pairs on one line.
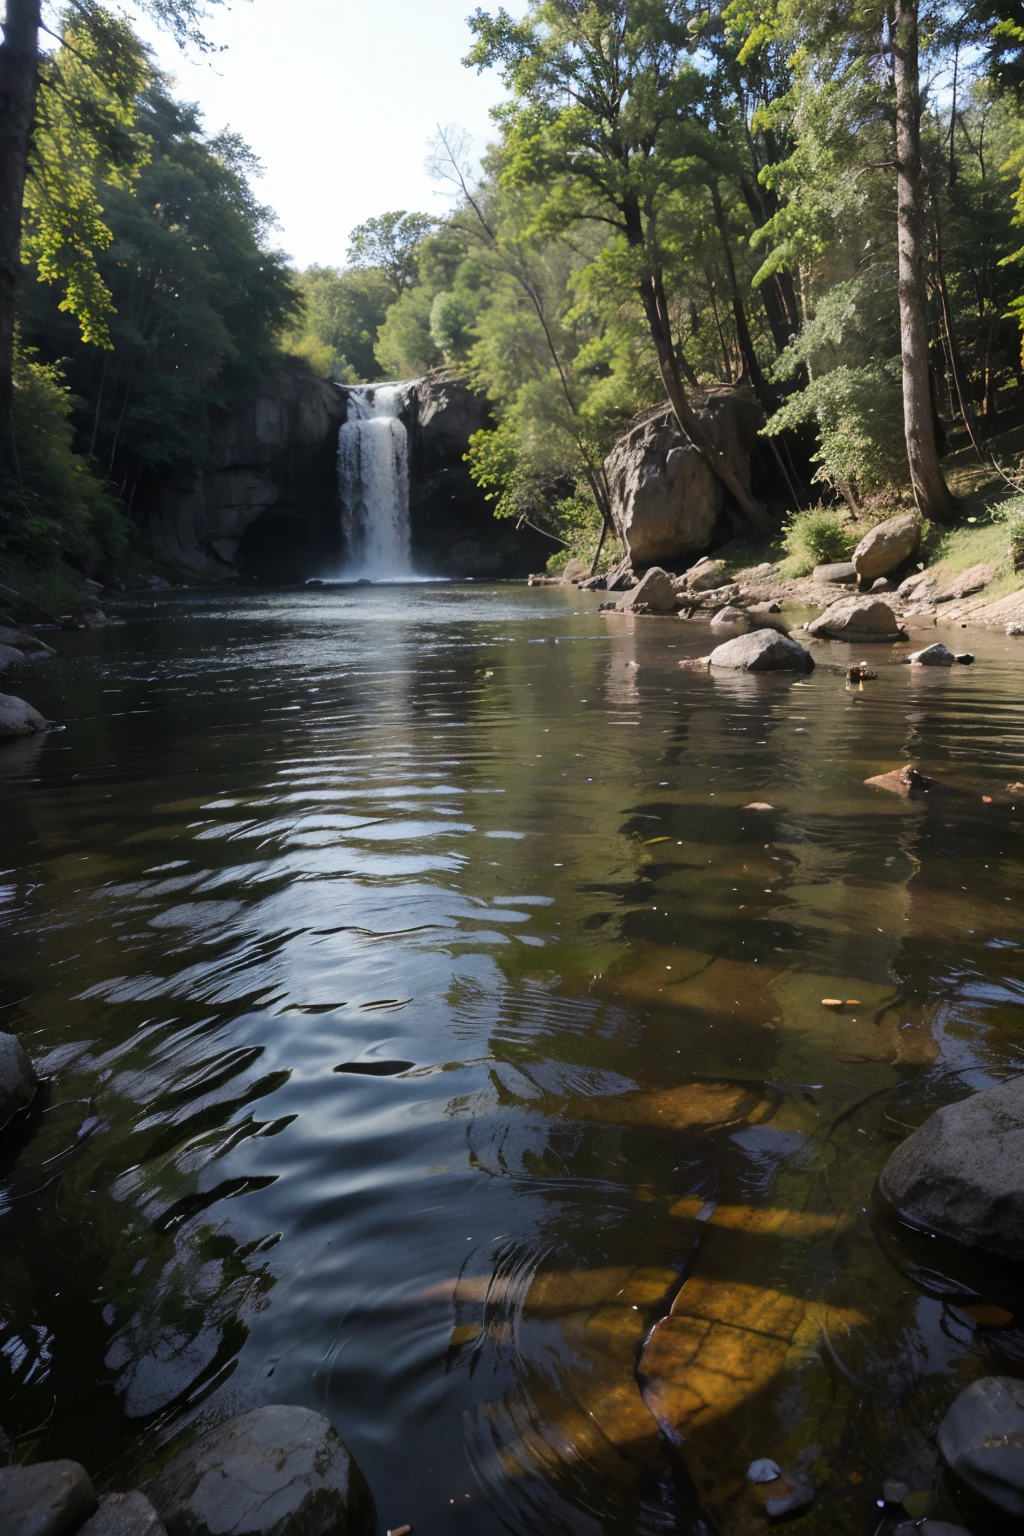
[[339, 99]]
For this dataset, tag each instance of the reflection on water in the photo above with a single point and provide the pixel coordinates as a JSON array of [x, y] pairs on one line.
[[433, 1038]]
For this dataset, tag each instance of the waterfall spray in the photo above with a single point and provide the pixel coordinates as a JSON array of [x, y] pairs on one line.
[[373, 483]]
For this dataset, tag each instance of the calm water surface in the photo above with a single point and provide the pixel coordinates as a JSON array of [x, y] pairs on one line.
[[425, 1018]]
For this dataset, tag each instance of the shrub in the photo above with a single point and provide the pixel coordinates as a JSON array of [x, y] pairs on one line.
[[1015, 546], [819, 536]]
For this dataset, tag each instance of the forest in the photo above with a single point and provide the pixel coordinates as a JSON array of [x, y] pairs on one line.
[[820, 202]]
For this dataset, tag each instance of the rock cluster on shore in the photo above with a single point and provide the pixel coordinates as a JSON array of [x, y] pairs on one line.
[[275, 1471]]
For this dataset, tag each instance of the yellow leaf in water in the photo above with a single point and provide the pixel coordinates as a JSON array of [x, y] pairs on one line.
[[652, 840]]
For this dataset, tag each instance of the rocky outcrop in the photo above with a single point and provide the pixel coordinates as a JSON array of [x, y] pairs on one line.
[[124, 1514], [265, 503], [856, 618], [18, 718], [765, 650], [277, 1471], [454, 531], [51, 1498], [982, 1442], [885, 547], [962, 1173], [666, 502]]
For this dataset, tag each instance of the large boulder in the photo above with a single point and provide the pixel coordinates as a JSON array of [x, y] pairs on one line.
[[886, 546], [278, 1471], [665, 499], [49, 1498], [765, 650], [857, 618], [982, 1442], [17, 1077], [962, 1173], [702, 577], [26, 642], [18, 718], [653, 594]]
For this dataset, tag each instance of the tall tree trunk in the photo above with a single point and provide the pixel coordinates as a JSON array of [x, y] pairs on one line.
[[931, 492], [19, 76], [690, 425], [751, 366]]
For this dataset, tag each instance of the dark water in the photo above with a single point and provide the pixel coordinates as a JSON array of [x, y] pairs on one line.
[[424, 1018]]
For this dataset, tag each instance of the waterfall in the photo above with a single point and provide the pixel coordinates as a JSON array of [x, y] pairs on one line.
[[373, 483]]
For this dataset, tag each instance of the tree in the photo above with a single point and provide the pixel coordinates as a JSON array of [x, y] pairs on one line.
[[23, 79], [931, 492], [343, 311], [603, 93], [391, 243]]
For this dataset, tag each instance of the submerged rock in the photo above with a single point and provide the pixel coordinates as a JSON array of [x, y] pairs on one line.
[[18, 718], [654, 594], [23, 640], [764, 650], [982, 1442], [124, 1514], [18, 1080], [278, 1471], [856, 618], [886, 546], [904, 781], [50, 1498], [962, 1173]]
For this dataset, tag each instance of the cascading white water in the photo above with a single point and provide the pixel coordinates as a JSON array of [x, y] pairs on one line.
[[373, 483]]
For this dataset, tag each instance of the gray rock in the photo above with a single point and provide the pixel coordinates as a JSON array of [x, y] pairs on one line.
[[10, 657], [962, 1172], [886, 546], [764, 650], [935, 655], [843, 572], [800, 1496], [763, 1471], [894, 1492], [23, 640], [918, 586], [856, 618], [655, 593], [17, 1077], [279, 1471], [575, 570], [883, 584], [704, 576], [665, 499], [982, 1442], [50, 1498], [730, 621], [124, 1514], [18, 718], [964, 658]]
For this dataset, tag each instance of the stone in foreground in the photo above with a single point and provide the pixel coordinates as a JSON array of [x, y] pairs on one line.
[[982, 1442], [124, 1514], [764, 650], [962, 1173], [654, 594], [18, 718], [17, 1080], [936, 655], [51, 1498], [856, 618], [279, 1471], [887, 546]]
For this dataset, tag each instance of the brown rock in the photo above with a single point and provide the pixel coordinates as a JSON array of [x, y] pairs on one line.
[[886, 546]]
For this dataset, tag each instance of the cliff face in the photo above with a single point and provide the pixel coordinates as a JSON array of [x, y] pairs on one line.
[[665, 500], [454, 532], [266, 502]]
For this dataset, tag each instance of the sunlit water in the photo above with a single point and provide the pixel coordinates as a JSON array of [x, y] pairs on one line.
[[424, 1018]]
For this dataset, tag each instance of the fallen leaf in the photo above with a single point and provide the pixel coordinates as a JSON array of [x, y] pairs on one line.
[[759, 805], [831, 1002]]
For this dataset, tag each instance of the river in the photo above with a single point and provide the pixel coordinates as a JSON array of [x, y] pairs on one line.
[[424, 1016]]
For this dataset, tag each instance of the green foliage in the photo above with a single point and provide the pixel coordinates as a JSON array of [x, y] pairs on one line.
[[86, 138], [405, 348], [819, 536], [391, 244], [858, 414], [199, 298], [57, 518], [342, 313], [1015, 540]]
